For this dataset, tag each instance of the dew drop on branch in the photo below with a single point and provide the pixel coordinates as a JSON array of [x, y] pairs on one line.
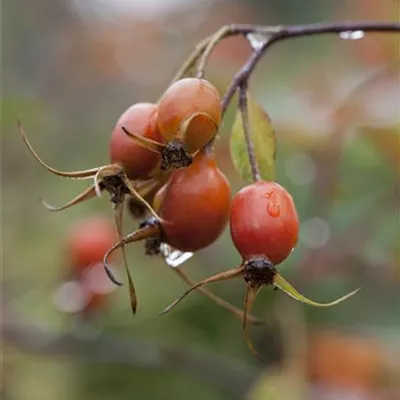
[[351, 35], [256, 40]]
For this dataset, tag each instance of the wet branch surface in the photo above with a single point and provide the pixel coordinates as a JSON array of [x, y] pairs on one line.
[[277, 34]]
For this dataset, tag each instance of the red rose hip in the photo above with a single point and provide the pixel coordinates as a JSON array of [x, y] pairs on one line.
[[264, 228], [136, 160], [190, 110], [196, 203], [264, 222]]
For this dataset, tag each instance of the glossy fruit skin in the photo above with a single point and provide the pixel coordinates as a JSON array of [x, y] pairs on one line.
[[137, 161], [88, 241], [196, 204], [180, 102], [159, 198], [264, 222]]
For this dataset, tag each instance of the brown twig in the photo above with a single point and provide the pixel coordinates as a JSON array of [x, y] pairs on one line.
[[295, 31], [204, 48]]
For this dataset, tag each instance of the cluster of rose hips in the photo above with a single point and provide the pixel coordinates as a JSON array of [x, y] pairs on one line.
[[162, 161], [162, 167]]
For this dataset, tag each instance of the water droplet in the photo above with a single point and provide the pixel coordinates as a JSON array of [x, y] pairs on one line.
[[268, 194], [274, 209], [173, 257], [351, 35], [256, 40]]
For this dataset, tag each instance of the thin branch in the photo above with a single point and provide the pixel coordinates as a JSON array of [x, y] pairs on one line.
[[204, 48], [212, 43], [191, 60], [227, 374], [241, 76], [295, 31], [243, 107], [272, 34]]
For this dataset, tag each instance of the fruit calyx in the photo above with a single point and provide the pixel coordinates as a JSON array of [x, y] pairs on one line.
[[152, 244], [259, 271], [175, 156], [114, 184]]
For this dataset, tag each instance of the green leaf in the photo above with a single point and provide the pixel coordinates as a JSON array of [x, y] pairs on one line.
[[286, 287], [263, 137]]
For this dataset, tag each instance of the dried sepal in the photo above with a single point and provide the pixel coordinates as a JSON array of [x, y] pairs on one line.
[[286, 287], [87, 194], [146, 143], [146, 232], [195, 141], [250, 297], [136, 194], [118, 214], [84, 174], [222, 276], [217, 300]]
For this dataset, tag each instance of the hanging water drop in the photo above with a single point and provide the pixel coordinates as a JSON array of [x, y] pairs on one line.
[[173, 257], [351, 35], [256, 40]]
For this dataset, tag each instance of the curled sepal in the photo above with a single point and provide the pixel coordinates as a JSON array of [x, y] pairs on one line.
[[146, 232], [87, 194], [136, 194], [118, 214], [222, 276], [250, 297], [286, 287], [97, 180], [84, 174], [146, 143], [201, 127], [107, 172], [220, 302]]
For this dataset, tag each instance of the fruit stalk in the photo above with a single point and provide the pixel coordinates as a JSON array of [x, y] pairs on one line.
[[243, 107]]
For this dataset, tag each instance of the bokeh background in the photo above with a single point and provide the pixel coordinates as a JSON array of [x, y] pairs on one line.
[[70, 68]]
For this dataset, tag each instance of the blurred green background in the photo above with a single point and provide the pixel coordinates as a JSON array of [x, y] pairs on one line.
[[70, 68]]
